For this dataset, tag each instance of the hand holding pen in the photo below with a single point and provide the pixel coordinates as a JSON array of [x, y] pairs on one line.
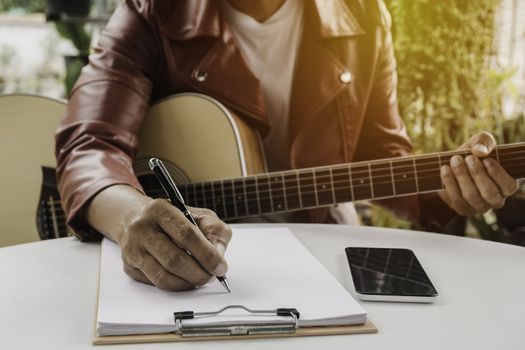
[[176, 199]]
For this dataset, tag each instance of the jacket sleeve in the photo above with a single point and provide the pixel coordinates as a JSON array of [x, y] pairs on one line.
[[97, 139], [384, 135]]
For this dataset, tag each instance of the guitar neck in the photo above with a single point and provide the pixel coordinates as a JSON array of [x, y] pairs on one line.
[[329, 185]]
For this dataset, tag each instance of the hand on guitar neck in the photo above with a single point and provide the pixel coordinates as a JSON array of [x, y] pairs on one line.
[[155, 238], [473, 185]]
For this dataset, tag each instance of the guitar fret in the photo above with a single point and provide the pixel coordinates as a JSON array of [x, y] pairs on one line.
[[404, 177], [315, 189], [392, 177], [381, 180], [324, 187], [204, 195], [291, 190], [217, 199], [245, 196], [228, 199], [277, 193], [428, 171], [234, 199], [252, 196], [263, 186], [284, 192], [270, 192], [207, 194], [223, 199], [341, 183], [240, 197], [56, 228], [332, 184], [362, 188], [370, 180], [415, 173], [299, 189], [199, 194], [258, 196], [195, 204], [350, 182], [307, 188]]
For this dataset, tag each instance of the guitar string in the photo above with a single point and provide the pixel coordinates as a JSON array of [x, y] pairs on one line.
[[420, 175], [338, 185], [230, 202], [232, 205], [501, 150], [353, 169], [346, 169], [356, 184], [291, 185], [267, 178]]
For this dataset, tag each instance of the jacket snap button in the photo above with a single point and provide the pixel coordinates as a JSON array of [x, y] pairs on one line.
[[200, 76], [346, 77]]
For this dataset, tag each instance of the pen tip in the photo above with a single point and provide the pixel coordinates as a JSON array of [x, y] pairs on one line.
[[226, 285]]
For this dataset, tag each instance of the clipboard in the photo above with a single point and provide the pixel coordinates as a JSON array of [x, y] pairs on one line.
[[237, 331], [187, 322]]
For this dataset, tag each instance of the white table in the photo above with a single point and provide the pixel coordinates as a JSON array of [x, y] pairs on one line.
[[48, 295]]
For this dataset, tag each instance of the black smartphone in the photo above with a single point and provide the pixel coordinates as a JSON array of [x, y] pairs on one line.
[[389, 274]]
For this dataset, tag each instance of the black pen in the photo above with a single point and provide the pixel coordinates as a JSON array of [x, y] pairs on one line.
[[176, 199]]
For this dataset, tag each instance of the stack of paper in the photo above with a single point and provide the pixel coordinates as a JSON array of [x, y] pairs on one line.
[[268, 269]]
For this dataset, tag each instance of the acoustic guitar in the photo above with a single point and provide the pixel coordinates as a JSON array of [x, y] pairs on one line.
[[218, 163]]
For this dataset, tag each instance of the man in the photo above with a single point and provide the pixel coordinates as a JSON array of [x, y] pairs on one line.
[[316, 78]]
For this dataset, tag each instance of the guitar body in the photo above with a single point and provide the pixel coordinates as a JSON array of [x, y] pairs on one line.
[[28, 143], [197, 138]]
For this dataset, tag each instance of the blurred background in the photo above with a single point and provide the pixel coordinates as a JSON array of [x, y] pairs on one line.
[[461, 68]]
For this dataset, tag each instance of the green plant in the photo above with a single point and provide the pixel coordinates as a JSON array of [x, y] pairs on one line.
[[77, 33], [25, 5], [80, 37], [448, 89]]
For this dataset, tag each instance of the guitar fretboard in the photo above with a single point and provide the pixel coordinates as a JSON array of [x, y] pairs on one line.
[[328, 185]]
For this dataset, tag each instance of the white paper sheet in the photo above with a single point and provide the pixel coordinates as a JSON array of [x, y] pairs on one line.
[[268, 269]]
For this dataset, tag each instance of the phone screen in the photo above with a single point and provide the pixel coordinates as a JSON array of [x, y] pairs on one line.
[[388, 271]]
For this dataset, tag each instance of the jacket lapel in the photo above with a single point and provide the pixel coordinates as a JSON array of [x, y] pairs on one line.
[[229, 79], [236, 87], [320, 74]]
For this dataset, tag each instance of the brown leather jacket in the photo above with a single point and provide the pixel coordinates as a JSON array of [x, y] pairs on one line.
[[343, 105]]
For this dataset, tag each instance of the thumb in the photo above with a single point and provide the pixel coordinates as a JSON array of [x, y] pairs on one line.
[[481, 145]]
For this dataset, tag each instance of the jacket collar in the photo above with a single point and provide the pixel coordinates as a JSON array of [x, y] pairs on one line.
[[334, 19], [184, 20]]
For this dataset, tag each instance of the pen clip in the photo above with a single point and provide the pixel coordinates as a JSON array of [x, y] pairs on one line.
[[157, 163]]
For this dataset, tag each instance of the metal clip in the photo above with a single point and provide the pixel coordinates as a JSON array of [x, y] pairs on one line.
[[284, 326]]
